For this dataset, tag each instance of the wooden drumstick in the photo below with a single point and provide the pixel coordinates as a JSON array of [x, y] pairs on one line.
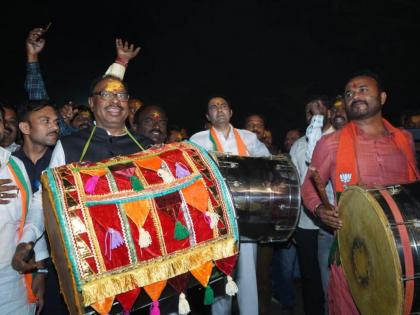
[[320, 187]]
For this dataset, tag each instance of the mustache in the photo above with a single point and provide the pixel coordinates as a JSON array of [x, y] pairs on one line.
[[358, 101], [8, 129], [52, 133]]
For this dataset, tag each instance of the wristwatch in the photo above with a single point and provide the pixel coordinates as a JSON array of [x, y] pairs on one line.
[[42, 270]]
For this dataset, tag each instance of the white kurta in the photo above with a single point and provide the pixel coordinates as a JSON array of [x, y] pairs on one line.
[[253, 145], [13, 298], [247, 262]]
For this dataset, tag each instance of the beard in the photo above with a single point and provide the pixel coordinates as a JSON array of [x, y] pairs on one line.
[[339, 121], [359, 110]]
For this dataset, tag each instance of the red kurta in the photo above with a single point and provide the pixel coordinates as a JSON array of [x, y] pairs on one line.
[[379, 162]]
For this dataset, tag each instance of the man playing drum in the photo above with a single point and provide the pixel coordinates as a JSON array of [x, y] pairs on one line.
[[109, 137], [368, 151], [223, 137]]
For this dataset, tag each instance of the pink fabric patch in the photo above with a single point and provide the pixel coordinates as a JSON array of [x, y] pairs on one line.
[[340, 300]]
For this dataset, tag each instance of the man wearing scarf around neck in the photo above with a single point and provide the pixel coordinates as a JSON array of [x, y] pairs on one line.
[[369, 151], [223, 137]]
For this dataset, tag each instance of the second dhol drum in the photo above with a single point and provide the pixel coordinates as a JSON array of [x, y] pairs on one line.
[[379, 248], [266, 194]]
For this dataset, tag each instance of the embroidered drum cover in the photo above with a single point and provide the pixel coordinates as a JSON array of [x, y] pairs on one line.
[[137, 221]]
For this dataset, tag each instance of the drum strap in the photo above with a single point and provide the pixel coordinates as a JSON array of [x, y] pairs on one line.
[[406, 246], [87, 144], [25, 193], [217, 146]]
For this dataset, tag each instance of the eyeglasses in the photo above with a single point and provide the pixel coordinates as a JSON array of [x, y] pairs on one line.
[[122, 96]]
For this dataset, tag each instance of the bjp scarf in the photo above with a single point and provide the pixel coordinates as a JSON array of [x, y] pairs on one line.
[[25, 195], [242, 150], [347, 171]]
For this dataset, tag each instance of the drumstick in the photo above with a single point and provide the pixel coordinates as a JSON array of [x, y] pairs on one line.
[[48, 27], [320, 187]]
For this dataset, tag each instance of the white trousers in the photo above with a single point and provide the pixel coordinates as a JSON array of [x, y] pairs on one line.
[[13, 297], [246, 280]]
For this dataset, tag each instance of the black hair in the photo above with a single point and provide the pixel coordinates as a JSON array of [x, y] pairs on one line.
[[323, 98], [255, 114], [142, 109], [29, 107], [370, 74], [219, 96], [99, 79], [8, 106]]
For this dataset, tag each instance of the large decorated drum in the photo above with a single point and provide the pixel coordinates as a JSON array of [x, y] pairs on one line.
[[135, 224]]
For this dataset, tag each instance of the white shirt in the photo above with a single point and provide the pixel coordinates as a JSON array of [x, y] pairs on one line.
[[301, 150], [13, 147], [11, 214], [254, 146]]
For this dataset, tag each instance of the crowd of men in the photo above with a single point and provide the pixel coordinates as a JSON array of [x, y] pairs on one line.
[[342, 136]]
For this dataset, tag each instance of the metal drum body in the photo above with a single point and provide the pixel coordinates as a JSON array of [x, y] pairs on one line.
[[380, 248], [266, 195]]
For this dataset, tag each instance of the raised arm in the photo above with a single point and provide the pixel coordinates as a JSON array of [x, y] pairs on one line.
[[34, 83], [125, 52]]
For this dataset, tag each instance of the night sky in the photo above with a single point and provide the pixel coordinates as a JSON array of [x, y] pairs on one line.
[[265, 56]]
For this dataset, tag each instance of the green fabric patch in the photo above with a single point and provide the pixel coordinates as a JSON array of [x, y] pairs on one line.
[[136, 183], [208, 296], [180, 232]]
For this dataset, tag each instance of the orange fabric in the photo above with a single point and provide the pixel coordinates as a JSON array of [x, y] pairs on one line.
[[28, 284], [346, 155], [242, 150], [154, 290], [196, 195], [203, 273], [28, 277], [153, 163], [97, 172], [137, 211], [103, 307]]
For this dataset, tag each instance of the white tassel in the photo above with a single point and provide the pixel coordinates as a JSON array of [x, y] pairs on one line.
[[231, 287], [144, 238], [183, 306], [213, 218]]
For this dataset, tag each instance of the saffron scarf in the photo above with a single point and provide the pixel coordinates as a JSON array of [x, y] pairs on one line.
[[242, 150], [347, 170], [25, 193]]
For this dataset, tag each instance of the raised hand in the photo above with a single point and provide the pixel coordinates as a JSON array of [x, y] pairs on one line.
[[67, 112], [316, 108], [35, 43], [125, 51]]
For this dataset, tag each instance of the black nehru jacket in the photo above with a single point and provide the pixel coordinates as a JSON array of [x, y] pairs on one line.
[[101, 147]]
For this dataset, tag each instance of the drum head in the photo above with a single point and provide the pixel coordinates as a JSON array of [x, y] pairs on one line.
[[369, 255]]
